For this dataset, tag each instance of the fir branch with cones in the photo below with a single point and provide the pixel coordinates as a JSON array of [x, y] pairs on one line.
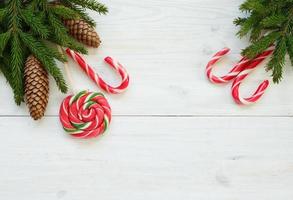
[[28, 28]]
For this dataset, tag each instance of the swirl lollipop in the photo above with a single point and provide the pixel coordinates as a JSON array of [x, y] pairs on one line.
[[88, 114], [85, 115]]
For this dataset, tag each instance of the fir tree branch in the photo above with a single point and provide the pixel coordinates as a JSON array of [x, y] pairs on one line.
[[14, 14], [252, 5], [64, 12], [43, 54], [80, 11], [16, 58], [92, 4], [261, 45], [26, 27], [60, 36], [35, 23], [3, 13], [289, 40], [278, 60], [256, 33], [56, 54], [4, 38], [247, 25], [273, 21], [240, 21], [17, 62], [268, 22]]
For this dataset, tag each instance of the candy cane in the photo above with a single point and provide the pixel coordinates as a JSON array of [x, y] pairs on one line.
[[85, 115], [231, 75], [97, 79], [242, 75]]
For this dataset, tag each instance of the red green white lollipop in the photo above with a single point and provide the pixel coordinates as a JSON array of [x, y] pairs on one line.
[[88, 114], [85, 115]]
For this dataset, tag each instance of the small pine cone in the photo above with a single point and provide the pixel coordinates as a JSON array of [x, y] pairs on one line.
[[36, 87], [83, 32]]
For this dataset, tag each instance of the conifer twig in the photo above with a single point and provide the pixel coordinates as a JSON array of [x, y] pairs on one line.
[[268, 23], [26, 28]]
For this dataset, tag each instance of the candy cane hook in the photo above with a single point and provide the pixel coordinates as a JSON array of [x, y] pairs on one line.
[[231, 75], [96, 78], [242, 75]]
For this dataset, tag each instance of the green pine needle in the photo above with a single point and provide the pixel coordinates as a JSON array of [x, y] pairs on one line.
[[3, 13], [273, 21], [261, 45], [252, 5], [278, 60], [80, 11], [247, 25], [60, 36], [268, 23], [64, 12], [17, 61], [35, 23], [289, 40], [4, 38], [36, 27], [45, 56], [92, 4]]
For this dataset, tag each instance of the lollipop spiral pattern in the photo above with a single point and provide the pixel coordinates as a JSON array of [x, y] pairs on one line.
[[85, 115]]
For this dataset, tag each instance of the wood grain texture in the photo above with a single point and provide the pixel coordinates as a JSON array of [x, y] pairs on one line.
[[174, 135], [174, 158]]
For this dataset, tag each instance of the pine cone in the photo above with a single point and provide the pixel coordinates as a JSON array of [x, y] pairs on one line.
[[36, 87], [83, 32]]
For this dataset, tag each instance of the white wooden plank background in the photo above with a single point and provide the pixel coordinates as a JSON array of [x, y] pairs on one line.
[[174, 135]]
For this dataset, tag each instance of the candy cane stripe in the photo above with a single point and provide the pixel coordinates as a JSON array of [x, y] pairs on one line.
[[239, 72], [242, 75], [231, 75], [97, 79]]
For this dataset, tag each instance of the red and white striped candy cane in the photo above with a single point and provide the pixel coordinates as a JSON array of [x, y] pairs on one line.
[[96, 78], [242, 75], [231, 75]]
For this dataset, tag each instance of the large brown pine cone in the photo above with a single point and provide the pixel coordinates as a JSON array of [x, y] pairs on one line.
[[36, 87], [83, 32]]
